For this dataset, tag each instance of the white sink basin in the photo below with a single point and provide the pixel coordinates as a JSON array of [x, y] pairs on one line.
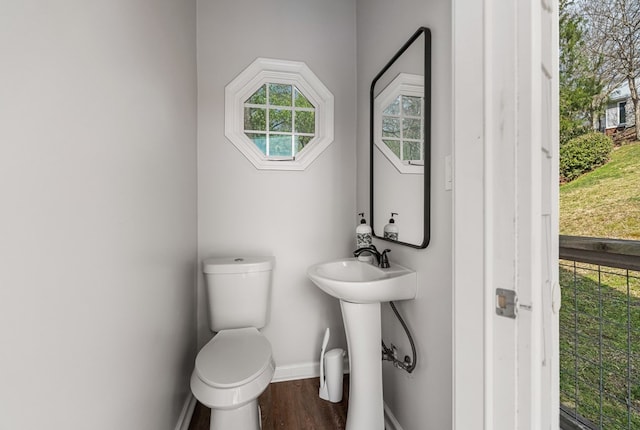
[[355, 281]]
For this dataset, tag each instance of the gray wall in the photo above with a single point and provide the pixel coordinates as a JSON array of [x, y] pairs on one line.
[[98, 193], [421, 400], [97, 213], [299, 217]]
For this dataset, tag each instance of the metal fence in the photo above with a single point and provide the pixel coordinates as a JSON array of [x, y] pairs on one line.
[[599, 333]]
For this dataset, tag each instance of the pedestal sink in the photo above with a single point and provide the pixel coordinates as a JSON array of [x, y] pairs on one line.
[[361, 287]]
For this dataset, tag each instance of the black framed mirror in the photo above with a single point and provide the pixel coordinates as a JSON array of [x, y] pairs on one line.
[[400, 145]]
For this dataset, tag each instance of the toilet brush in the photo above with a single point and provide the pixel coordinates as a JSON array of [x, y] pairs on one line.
[[324, 390]]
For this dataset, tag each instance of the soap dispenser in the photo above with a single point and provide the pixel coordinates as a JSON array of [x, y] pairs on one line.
[[363, 233], [391, 229]]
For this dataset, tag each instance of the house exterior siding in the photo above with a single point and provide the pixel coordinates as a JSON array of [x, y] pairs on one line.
[[614, 117], [619, 113]]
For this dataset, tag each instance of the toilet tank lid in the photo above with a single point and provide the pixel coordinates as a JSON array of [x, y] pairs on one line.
[[237, 264]]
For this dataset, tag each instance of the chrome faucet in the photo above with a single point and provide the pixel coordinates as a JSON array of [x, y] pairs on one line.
[[382, 260]]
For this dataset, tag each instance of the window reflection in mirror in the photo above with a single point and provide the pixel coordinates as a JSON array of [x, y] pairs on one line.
[[399, 123]]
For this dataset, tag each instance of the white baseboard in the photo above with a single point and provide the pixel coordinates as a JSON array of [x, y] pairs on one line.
[[293, 372], [187, 412], [390, 421]]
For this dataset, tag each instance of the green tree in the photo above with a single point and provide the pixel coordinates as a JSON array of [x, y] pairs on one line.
[[580, 86], [613, 34]]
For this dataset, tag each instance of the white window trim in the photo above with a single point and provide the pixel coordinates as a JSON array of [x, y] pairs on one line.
[[404, 84], [623, 102], [265, 70]]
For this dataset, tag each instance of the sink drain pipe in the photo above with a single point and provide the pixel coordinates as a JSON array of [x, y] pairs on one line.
[[391, 354]]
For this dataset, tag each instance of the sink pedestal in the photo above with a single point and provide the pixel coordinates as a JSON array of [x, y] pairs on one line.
[[363, 327], [361, 287]]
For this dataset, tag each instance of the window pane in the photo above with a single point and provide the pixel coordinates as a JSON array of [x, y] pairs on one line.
[[411, 151], [411, 105], [390, 127], [305, 122], [260, 140], [280, 95], [301, 100], [279, 120], [393, 108], [394, 146], [255, 119], [301, 142], [259, 97], [280, 145], [411, 129]]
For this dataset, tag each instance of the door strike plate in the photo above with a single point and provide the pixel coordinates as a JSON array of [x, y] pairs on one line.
[[506, 303]]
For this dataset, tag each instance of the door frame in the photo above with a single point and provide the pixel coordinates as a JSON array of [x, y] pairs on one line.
[[505, 211]]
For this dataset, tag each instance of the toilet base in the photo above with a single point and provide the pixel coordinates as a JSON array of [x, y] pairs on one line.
[[246, 417]]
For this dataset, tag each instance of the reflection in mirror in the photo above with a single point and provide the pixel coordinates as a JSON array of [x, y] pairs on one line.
[[400, 132], [398, 124]]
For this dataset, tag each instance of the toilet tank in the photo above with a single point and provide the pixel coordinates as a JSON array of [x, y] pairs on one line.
[[238, 291]]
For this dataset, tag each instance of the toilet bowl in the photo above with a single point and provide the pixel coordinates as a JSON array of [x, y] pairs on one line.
[[231, 372], [236, 366]]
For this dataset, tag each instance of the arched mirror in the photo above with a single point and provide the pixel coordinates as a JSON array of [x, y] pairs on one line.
[[400, 132]]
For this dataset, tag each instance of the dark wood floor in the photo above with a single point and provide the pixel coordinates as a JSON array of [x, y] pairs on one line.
[[291, 405]]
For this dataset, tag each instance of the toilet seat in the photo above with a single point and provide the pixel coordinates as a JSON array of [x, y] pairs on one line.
[[233, 358], [234, 368]]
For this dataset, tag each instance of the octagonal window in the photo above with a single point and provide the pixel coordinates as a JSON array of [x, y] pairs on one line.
[[279, 119], [279, 114]]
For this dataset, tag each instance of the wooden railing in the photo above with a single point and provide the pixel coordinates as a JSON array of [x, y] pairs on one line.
[[622, 254]]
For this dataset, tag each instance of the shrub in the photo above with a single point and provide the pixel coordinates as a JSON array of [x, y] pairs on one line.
[[570, 130], [583, 154]]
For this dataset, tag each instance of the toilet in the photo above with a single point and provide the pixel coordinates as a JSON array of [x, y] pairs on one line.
[[237, 365]]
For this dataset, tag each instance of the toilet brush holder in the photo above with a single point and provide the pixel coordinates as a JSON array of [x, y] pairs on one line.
[[334, 374]]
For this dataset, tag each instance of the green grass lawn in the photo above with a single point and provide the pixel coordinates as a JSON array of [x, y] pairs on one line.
[[599, 305], [605, 202]]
